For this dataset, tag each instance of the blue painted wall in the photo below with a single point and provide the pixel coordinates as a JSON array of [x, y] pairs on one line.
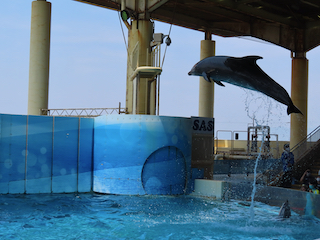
[[42, 154], [117, 154], [142, 154]]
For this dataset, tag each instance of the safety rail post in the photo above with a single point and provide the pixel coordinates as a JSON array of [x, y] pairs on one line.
[[217, 138]]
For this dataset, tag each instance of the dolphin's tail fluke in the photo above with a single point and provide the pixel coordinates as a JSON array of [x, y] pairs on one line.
[[293, 109]]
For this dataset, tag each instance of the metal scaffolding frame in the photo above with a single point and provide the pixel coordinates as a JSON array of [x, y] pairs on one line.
[[83, 112]]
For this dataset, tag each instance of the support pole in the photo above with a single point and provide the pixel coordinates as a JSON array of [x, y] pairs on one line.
[[206, 89], [39, 57], [299, 95], [139, 54]]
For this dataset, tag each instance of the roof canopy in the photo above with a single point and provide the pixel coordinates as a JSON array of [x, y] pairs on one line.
[[292, 24]]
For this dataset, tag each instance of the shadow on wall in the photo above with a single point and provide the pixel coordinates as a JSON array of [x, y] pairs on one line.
[[165, 172]]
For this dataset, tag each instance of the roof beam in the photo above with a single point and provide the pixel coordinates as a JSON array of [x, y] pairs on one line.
[[154, 5], [259, 13]]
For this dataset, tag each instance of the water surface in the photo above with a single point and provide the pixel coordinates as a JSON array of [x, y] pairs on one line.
[[91, 216]]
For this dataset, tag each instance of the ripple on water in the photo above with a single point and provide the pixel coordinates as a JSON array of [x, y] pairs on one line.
[[90, 216]]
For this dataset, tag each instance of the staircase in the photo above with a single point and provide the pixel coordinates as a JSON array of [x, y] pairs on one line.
[[310, 159], [307, 155]]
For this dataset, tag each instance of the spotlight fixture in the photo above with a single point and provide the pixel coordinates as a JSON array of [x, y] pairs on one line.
[[125, 15]]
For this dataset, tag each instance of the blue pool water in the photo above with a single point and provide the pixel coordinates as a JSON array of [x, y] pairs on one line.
[[91, 216]]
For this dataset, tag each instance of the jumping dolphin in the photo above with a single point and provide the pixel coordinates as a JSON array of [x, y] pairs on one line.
[[285, 211], [243, 72]]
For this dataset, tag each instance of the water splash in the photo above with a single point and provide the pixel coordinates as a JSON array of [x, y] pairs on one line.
[[258, 106], [268, 111], [254, 187], [308, 211]]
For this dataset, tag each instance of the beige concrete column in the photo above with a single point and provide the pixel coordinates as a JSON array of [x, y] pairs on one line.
[[206, 89], [139, 54], [202, 144], [299, 95], [39, 57]]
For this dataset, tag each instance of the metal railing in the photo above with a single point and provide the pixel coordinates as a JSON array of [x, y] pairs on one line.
[[298, 150], [155, 56], [83, 112], [232, 150], [308, 142]]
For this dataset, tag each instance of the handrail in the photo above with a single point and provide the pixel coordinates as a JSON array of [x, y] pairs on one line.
[[82, 112], [299, 149], [303, 143], [307, 137]]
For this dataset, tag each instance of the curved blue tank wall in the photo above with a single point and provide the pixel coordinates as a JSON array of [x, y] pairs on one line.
[[141, 154], [117, 154]]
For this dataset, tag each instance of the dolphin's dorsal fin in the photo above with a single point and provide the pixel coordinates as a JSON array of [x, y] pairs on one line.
[[243, 60], [251, 59], [239, 64]]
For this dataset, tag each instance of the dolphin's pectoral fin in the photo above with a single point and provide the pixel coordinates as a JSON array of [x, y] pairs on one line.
[[206, 77], [219, 83]]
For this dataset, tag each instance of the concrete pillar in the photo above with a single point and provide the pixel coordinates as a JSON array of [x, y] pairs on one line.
[[39, 57], [299, 95], [206, 89], [139, 54], [204, 159]]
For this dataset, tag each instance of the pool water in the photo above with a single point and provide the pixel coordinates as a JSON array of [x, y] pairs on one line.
[[92, 216]]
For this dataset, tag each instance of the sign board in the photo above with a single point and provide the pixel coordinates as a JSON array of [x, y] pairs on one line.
[[201, 125]]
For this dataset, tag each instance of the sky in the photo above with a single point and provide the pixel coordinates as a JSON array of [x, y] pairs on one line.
[[88, 68]]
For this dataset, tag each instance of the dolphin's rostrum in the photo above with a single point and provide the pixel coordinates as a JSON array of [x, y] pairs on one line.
[[243, 72]]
